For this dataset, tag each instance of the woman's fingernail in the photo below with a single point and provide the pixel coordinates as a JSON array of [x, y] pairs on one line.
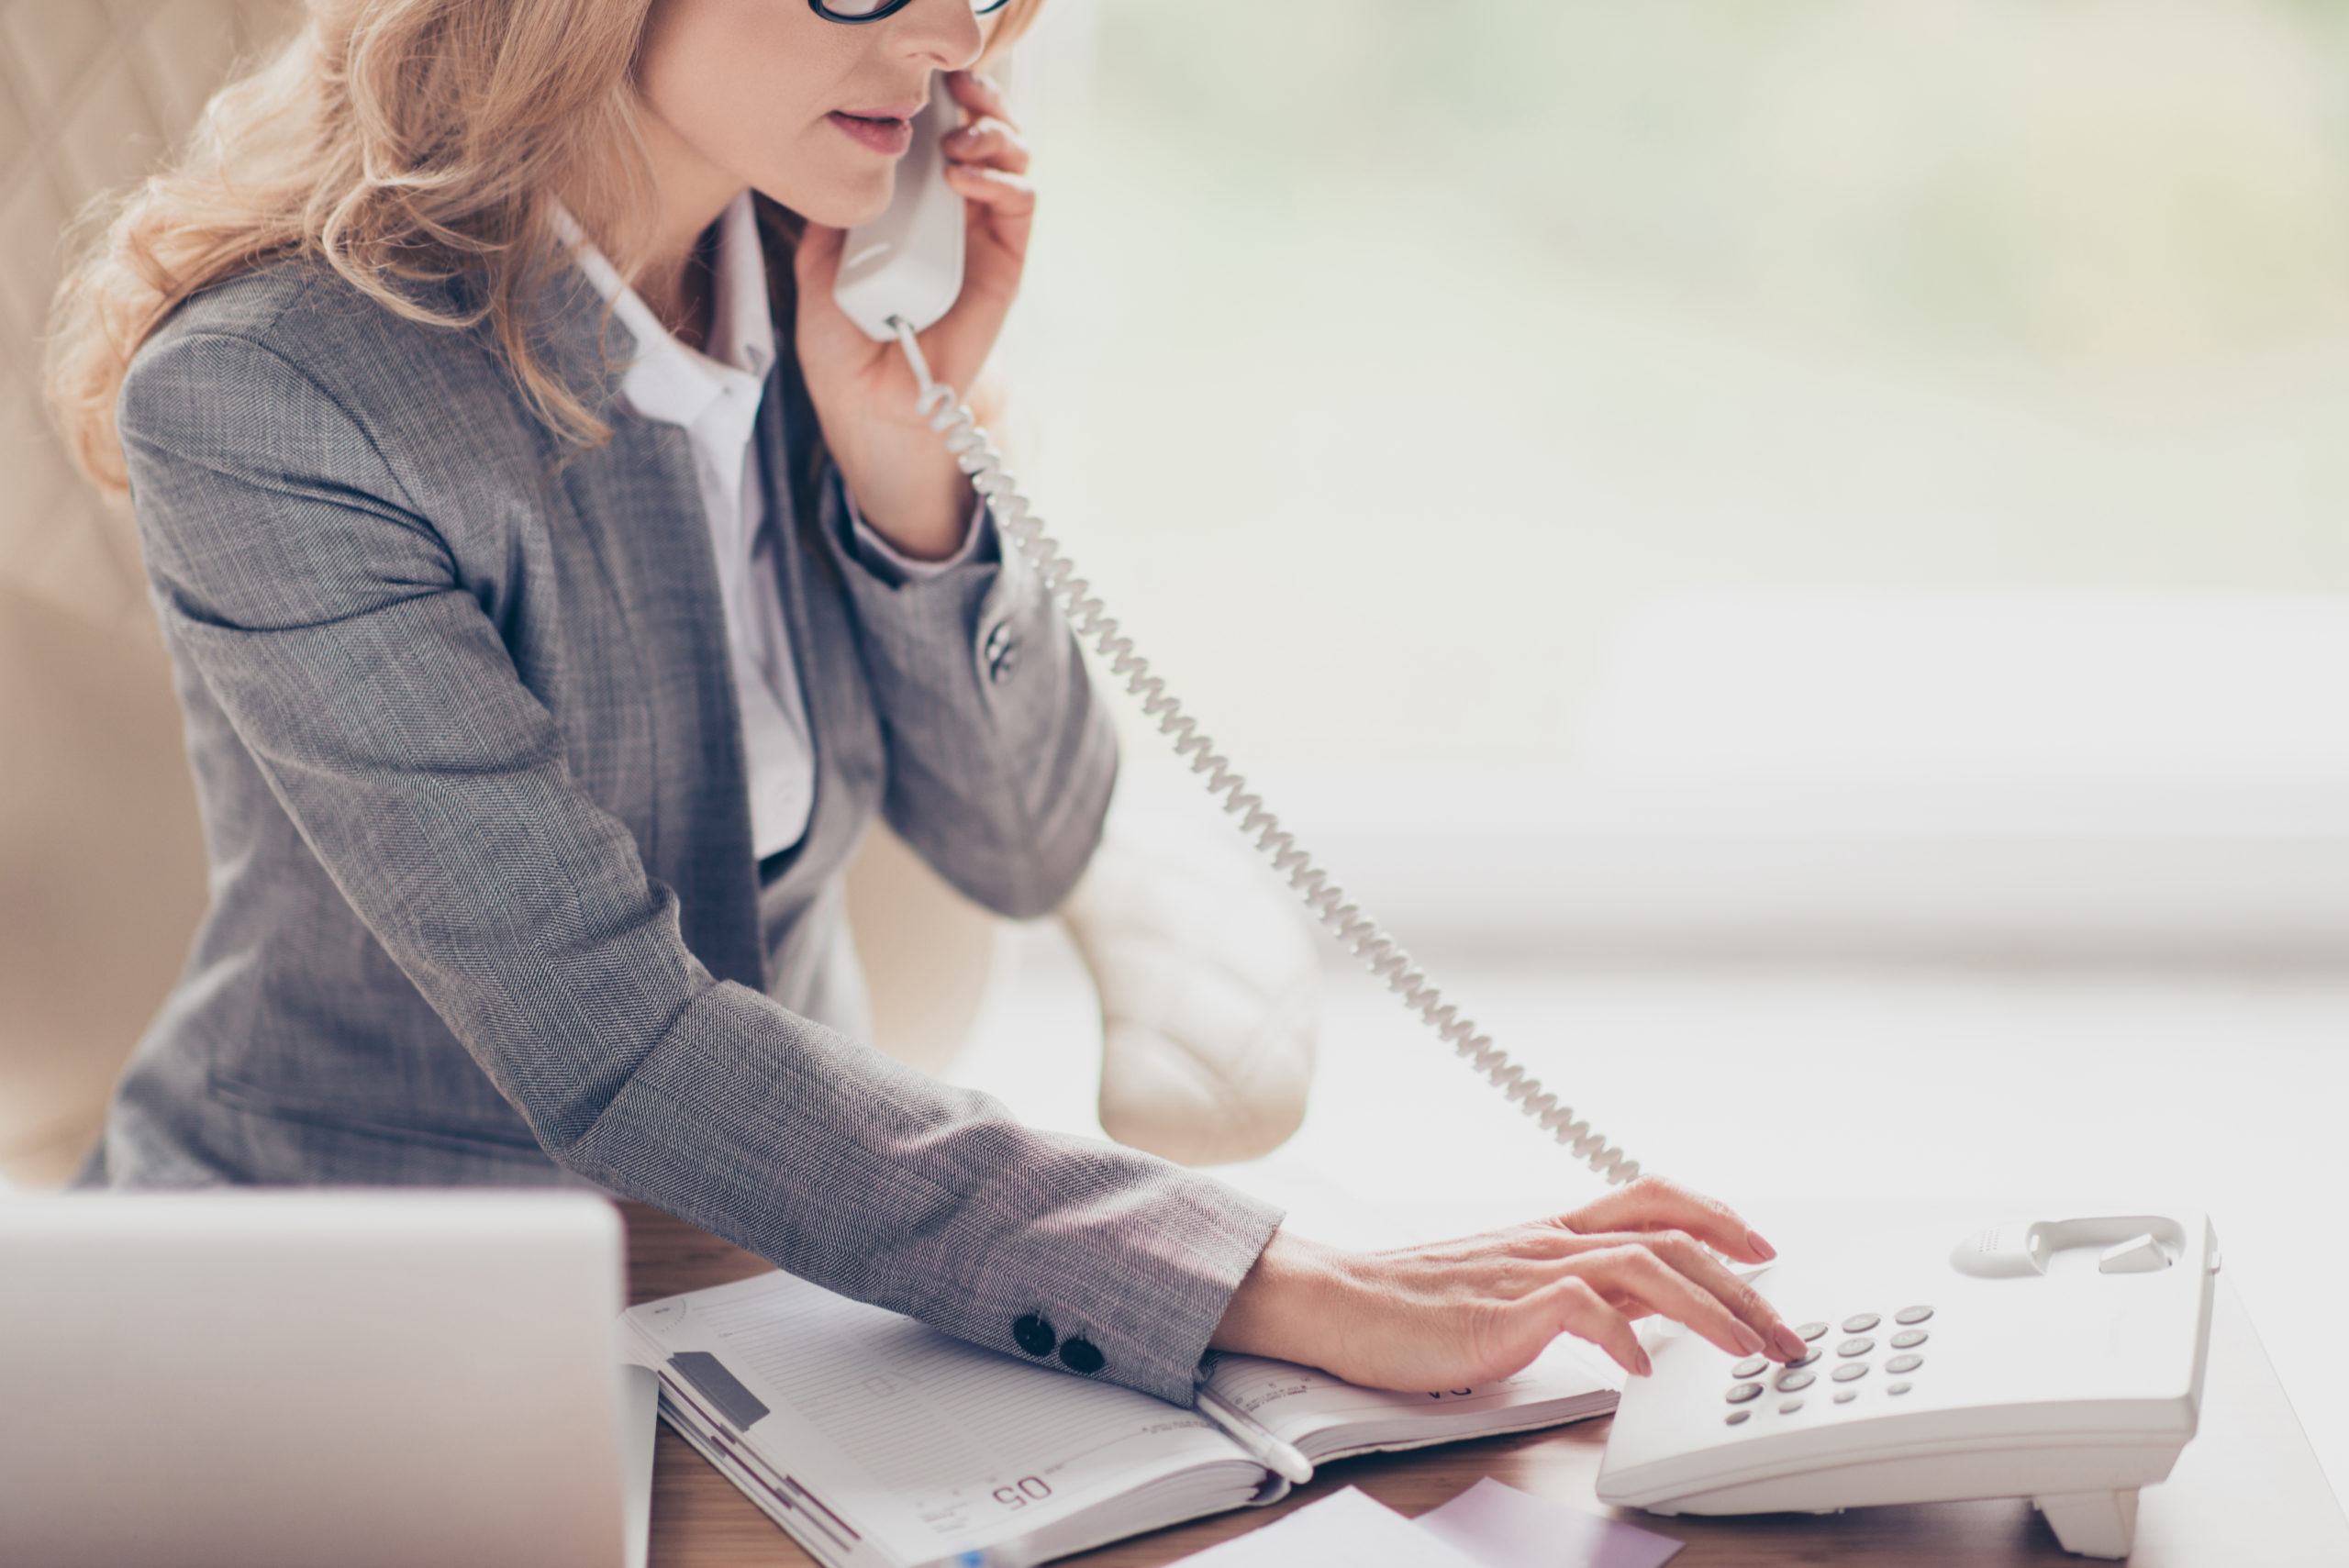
[[1747, 1340], [1646, 1367], [1789, 1343], [1754, 1239]]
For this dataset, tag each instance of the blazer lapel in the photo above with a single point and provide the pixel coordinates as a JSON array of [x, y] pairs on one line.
[[640, 510], [843, 731]]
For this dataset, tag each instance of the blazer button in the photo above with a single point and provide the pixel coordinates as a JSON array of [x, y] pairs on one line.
[[1001, 652], [1034, 1334], [1078, 1355]]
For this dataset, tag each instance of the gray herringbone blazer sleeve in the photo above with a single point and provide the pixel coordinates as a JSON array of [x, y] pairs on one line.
[[1001, 757], [325, 615]]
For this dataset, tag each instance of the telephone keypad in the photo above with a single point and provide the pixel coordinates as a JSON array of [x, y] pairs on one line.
[[1852, 1364]]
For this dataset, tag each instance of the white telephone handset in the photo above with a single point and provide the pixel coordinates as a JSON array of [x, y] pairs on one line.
[[2055, 1360], [907, 262]]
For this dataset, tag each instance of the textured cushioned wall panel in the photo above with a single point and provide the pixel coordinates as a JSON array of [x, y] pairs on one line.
[[101, 868], [91, 92]]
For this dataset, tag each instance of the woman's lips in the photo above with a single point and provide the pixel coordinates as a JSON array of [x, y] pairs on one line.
[[890, 137]]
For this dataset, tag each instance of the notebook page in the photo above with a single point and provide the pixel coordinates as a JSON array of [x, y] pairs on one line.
[[936, 1445], [1322, 1415]]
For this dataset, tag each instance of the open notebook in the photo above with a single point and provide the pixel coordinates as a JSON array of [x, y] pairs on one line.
[[876, 1441]]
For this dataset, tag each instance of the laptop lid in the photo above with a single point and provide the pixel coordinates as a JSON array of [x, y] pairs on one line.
[[256, 1378]]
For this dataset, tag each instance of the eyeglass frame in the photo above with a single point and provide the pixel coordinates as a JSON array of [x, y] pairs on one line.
[[889, 8]]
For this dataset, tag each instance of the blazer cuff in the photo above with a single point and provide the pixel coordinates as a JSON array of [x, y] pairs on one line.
[[895, 568], [1138, 1305], [1066, 1252]]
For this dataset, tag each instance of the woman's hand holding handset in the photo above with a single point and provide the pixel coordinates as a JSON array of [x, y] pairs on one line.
[[905, 485], [1453, 1313]]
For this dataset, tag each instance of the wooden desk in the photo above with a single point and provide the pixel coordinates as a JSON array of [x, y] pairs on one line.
[[2247, 1490]]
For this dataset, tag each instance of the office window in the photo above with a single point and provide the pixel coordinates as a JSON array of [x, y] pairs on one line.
[[1379, 357]]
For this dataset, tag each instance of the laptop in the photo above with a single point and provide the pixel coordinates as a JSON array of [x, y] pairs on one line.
[[255, 1378]]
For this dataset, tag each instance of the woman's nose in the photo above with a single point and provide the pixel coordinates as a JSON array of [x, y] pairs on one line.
[[945, 33]]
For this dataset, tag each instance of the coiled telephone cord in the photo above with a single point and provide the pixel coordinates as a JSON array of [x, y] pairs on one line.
[[946, 413]]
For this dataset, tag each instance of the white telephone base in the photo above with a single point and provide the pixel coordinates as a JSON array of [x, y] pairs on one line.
[[2092, 1524], [1943, 1369]]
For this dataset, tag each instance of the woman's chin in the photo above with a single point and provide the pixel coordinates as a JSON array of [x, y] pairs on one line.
[[846, 202]]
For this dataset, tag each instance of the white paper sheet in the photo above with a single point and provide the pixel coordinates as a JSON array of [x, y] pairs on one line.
[[1499, 1526], [1345, 1529]]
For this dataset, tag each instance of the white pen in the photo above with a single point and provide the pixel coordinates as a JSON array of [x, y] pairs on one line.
[[1267, 1450]]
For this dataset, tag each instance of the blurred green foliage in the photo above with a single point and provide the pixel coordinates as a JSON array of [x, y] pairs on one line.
[[2104, 177]]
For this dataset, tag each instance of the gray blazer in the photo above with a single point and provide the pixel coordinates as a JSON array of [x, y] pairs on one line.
[[483, 902]]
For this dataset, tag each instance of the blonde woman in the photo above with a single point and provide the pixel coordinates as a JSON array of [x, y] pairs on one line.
[[558, 585]]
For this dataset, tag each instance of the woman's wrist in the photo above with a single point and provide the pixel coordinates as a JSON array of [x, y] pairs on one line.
[[920, 521], [1287, 1305]]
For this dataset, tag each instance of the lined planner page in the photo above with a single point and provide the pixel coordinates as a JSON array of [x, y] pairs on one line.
[[1299, 1403], [969, 1441]]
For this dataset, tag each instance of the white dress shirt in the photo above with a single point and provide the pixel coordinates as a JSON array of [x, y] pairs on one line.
[[714, 397]]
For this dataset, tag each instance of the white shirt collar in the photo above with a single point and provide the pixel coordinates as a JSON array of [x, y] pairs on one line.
[[667, 380]]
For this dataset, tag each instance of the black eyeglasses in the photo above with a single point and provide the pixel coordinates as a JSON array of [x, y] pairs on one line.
[[874, 10]]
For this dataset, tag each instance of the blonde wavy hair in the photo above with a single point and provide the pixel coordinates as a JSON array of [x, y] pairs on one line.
[[403, 143]]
